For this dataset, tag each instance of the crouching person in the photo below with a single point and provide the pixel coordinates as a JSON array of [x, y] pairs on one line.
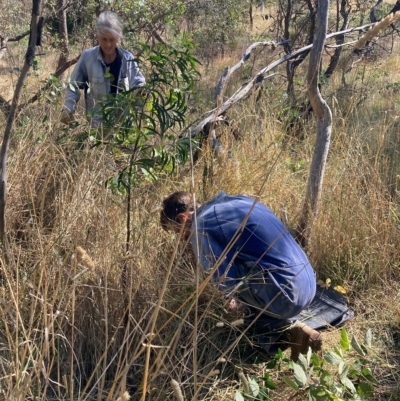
[[257, 258]]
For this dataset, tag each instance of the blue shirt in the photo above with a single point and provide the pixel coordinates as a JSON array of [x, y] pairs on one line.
[[263, 252]]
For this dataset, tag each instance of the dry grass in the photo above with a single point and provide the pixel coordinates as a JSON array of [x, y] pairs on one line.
[[72, 326]]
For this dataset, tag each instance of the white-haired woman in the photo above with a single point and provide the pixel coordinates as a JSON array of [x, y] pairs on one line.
[[101, 70]]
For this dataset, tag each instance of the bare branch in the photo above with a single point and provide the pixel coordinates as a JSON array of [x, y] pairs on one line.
[[257, 79], [156, 35], [4, 40], [339, 40], [18, 37]]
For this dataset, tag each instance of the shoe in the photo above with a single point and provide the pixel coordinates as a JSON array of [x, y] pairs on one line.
[[301, 337]]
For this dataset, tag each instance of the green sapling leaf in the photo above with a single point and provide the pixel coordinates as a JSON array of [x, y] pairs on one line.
[[253, 387], [357, 347], [299, 375], [333, 358], [344, 340], [290, 383], [303, 362], [268, 382]]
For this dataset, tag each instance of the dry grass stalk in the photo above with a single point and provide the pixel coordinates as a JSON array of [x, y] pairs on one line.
[[244, 381], [215, 372], [238, 322], [124, 397], [177, 390], [375, 29], [84, 258]]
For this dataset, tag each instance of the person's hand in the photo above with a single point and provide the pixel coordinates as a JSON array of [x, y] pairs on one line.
[[67, 117]]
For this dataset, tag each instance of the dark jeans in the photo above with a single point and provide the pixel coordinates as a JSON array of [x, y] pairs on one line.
[[260, 294]]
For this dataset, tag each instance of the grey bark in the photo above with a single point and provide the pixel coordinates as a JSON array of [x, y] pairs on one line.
[[372, 14], [63, 32], [29, 57], [323, 116], [339, 39]]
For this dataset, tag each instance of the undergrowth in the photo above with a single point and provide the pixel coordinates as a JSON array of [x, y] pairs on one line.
[[80, 319]]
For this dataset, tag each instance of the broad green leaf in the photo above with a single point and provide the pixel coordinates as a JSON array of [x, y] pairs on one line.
[[349, 384], [333, 358], [338, 351], [253, 387], [290, 383], [368, 375], [343, 375], [316, 361], [341, 366], [326, 379], [268, 382], [271, 364], [299, 375], [303, 362], [357, 347], [318, 394], [364, 388], [238, 396], [279, 354], [344, 340]]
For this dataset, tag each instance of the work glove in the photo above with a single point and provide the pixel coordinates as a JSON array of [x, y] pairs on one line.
[[67, 117]]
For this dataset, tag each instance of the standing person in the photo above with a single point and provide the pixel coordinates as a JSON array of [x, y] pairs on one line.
[[101, 70], [258, 260]]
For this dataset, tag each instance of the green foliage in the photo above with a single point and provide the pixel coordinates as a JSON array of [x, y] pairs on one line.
[[140, 123], [345, 373], [214, 24], [138, 13]]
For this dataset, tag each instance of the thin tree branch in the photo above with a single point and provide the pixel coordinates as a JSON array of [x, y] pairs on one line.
[[257, 79], [57, 74], [30, 55]]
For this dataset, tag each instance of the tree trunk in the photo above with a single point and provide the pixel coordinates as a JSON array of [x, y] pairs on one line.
[[251, 14], [339, 39], [29, 57], [324, 128], [63, 32]]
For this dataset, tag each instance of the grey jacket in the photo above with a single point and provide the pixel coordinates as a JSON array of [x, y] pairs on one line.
[[89, 75]]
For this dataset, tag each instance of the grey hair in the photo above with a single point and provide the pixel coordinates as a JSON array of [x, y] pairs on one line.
[[108, 21]]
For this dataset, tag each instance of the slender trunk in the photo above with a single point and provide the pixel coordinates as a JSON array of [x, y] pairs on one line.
[[339, 40], [29, 57], [251, 14], [324, 128], [63, 32]]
